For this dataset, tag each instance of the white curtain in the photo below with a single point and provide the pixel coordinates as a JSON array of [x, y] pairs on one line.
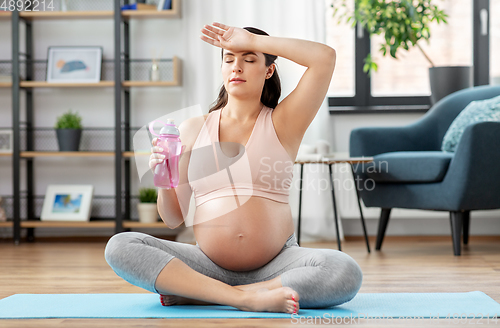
[[303, 19]]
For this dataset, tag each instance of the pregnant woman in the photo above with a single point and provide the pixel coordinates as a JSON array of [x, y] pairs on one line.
[[246, 254]]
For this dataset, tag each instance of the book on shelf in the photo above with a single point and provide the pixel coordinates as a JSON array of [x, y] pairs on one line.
[[138, 6], [164, 5]]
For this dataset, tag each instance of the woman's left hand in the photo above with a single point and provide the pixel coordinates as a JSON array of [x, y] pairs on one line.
[[227, 37]]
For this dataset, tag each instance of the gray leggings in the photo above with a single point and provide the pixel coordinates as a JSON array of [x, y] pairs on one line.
[[321, 277]]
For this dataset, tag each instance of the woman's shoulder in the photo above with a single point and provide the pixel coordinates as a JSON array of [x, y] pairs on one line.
[[193, 123], [190, 129]]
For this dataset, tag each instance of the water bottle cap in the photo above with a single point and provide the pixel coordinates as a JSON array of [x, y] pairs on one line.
[[169, 128]]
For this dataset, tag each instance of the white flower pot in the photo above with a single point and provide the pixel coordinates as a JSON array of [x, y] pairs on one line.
[[148, 213]]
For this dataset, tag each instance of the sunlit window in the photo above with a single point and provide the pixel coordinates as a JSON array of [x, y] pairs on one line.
[[341, 38], [450, 45]]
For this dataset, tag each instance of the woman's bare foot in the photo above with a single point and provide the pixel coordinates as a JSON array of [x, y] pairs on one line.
[[269, 284], [168, 300], [283, 299]]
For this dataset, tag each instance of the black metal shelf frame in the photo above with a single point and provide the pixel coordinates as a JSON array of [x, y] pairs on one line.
[[25, 67]]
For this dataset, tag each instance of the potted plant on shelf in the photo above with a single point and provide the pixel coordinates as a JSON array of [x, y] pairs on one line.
[[148, 213], [69, 131], [404, 23]]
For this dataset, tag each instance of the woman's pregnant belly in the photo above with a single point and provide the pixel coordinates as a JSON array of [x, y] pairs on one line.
[[246, 237]]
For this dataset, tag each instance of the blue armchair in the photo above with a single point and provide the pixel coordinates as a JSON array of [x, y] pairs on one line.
[[410, 170]]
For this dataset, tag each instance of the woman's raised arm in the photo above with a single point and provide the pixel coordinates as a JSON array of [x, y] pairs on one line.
[[295, 113]]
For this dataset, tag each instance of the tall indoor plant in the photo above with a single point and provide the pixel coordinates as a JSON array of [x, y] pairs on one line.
[[69, 131], [405, 23]]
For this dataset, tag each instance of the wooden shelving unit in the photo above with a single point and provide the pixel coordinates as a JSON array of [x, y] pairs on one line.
[[45, 84], [67, 224], [51, 15], [175, 12], [136, 224], [33, 154], [5, 15], [84, 224], [130, 154], [121, 219], [176, 81], [128, 84]]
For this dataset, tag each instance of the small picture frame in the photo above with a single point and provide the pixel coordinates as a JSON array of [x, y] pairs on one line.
[[67, 203], [74, 64], [6, 142]]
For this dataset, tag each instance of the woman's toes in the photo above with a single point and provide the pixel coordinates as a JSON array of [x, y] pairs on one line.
[[293, 305], [167, 300], [294, 300]]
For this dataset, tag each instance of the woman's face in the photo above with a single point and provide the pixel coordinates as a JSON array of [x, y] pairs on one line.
[[245, 73]]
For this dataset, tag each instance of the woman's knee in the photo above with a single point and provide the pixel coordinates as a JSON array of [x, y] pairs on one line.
[[349, 273], [342, 274], [116, 248]]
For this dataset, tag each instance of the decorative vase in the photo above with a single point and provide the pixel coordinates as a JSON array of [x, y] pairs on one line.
[[64, 5], [448, 79], [69, 139], [154, 73], [148, 213]]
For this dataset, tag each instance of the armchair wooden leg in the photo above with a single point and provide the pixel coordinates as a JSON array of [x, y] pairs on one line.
[[466, 224], [382, 226], [456, 219]]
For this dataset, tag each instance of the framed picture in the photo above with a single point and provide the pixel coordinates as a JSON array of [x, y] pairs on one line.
[[6, 143], [67, 203], [74, 64]]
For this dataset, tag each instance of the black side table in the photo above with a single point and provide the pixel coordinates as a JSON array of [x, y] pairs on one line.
[[330, 162]]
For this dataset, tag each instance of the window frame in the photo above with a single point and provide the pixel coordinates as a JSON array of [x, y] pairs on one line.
[[363, 102]]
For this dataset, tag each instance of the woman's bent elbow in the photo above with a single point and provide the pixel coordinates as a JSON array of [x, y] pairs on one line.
[[171, 222], [329, 58]]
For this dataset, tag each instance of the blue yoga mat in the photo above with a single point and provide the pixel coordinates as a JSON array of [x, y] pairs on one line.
[[363, 306]]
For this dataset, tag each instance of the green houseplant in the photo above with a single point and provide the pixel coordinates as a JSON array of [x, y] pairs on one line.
[[404, 24], [148, 213], [69, 131]]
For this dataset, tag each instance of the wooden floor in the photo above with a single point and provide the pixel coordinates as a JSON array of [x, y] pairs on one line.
[[405, 264]]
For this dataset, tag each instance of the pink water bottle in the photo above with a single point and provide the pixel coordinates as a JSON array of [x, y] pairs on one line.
[[166, 174]]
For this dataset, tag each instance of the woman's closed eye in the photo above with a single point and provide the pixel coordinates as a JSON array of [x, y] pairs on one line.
[[248, 61]]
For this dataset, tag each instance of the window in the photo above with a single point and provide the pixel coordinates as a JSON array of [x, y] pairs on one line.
[[450, 45], [341, 38], [403, 84]]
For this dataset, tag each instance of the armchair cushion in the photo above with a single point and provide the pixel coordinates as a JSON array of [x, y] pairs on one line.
[[476, 111], [409, 166]]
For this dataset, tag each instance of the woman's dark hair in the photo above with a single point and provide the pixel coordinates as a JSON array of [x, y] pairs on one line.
[[272, 87]]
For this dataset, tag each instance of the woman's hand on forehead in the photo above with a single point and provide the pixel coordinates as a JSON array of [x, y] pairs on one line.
[[228, 37]]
